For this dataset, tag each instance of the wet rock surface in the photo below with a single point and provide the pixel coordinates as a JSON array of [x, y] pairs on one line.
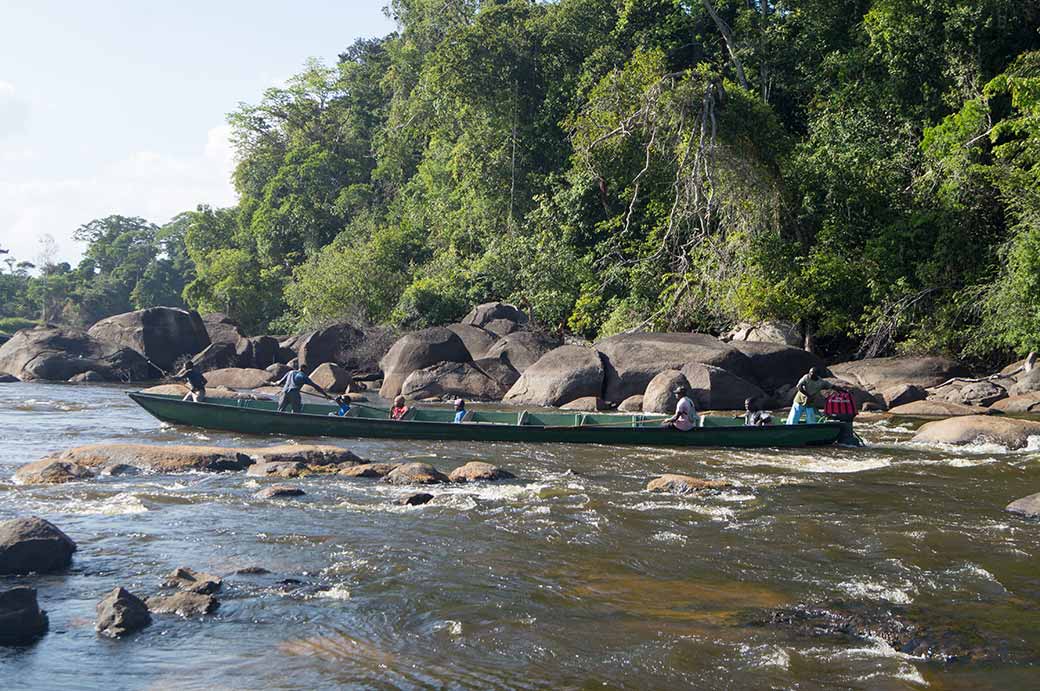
[[417, 499], [279, 491], [369, 470], [121, 612], [683, 484], [188, 579], [51, 472], [415, 474], [478, 470], [33, 545], [21, 619], [994, 429], [1026, 506], [184, 603]]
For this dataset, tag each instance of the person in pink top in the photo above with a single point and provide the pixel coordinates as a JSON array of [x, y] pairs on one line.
[[685, 417]]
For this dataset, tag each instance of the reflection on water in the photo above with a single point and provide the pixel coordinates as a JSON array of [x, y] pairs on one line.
[[570, 577]]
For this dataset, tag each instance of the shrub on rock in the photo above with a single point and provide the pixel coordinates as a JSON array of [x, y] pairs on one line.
[[33, 545], [121, 612]]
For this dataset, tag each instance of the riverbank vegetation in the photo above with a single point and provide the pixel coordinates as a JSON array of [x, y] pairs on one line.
[[868, 169]]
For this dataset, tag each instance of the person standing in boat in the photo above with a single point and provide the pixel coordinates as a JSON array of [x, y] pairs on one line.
[[685, 412], [807, 393], [195, 381], [291, 383], [399, 410]]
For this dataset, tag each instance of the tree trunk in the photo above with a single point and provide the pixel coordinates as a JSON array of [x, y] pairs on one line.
[[727, 37]]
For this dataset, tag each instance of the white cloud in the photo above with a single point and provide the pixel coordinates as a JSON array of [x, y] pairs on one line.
[[149, 184], [14, 111]]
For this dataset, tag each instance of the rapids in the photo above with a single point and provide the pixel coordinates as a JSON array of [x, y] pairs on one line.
[[571, 577]]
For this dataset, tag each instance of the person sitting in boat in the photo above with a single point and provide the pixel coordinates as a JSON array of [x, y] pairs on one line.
[[460, 410], [754, 416], [806, 397], [291, 383], [685, 412], [399, 410], [195, 381], [344, 406]]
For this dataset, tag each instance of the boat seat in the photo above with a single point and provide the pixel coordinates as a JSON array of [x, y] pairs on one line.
[[521, 418]]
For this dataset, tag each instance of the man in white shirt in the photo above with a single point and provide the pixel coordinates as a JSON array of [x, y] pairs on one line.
[[685, 417]]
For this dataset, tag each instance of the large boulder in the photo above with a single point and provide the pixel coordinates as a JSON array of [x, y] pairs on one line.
[[973, 429], [632, 404], [368, 470], [478, 470], [157, 458], [487, 379], [933, 408], [781, 333], [561, 375], [1024, 403], [713, 388], [522, 349], [264, 351], [1027, 382], [774, 365], [222, 328], [875, 374], [980, 393], [660, 396], [331, 377], [238, 378], [309, 454], [588, 404], [162, 334], [478, 340], [494, 314], [901, 394], [415, 474], [417, 350], [58, 354], [33, 545], [342, 344], [217, 356], [1027, 506], [21, 619], [49, 471], [632, 360], [121, 612]]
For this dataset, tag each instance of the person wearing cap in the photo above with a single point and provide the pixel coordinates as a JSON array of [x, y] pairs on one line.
[[195, 381], [685, 412], [291, 383], [344, 406], [460, 410], [807, 391], [399, 410]]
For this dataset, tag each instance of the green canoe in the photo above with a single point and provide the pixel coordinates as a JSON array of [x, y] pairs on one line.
[[261, 417]]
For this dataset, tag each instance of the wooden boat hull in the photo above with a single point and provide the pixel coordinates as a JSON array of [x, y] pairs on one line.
[[261, 417]]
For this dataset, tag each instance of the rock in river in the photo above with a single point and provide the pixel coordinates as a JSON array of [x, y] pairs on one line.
[[284, 469], [660, 394], [238, 378], [875, 374], [487, 379], [161, 334], [58, 354], [415, 474], [369, 470], [632, 404], [157, 458], [561, 375], [522, 348], [309, 454], [933, 408], [588, 404], [1009, 432], [121, 612], [279, 491], [331, 377], [774, 365], [478, 470], [33, 545], [417, 499], [184, 603], [1024, 403], [184, 578], [21, 619], [683, 484], [1027, 506], [51, 472]]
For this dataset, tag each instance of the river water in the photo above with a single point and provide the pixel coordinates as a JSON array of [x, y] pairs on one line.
[[572, 577]]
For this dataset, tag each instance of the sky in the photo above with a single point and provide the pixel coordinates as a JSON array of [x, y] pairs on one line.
[[119, 106]]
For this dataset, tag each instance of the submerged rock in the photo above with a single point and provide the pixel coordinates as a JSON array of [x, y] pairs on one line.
[[684, 484], [33, 545], [184, 603], [278, 491], [121, 612], [51, 472], [369, 470], [1027, 506], [993, 429], [9, 379], [21, 619], [415, 474], [193, 581], [478, 470], [904, 630], [417, 499]]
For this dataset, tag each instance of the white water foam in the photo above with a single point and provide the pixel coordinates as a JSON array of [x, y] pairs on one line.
[[877, 591], [120, 504], [669, 537], [336, 592]]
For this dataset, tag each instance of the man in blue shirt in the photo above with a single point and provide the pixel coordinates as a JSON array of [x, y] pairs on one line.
[[291, 383], [344, 406], [460, 410]]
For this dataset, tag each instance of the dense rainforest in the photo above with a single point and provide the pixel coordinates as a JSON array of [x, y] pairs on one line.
[[866, 169]]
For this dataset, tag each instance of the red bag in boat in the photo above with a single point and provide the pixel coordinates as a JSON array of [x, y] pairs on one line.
[[840, 405]]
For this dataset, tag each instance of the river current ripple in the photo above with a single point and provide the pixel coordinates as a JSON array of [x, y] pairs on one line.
[[571, 577]]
